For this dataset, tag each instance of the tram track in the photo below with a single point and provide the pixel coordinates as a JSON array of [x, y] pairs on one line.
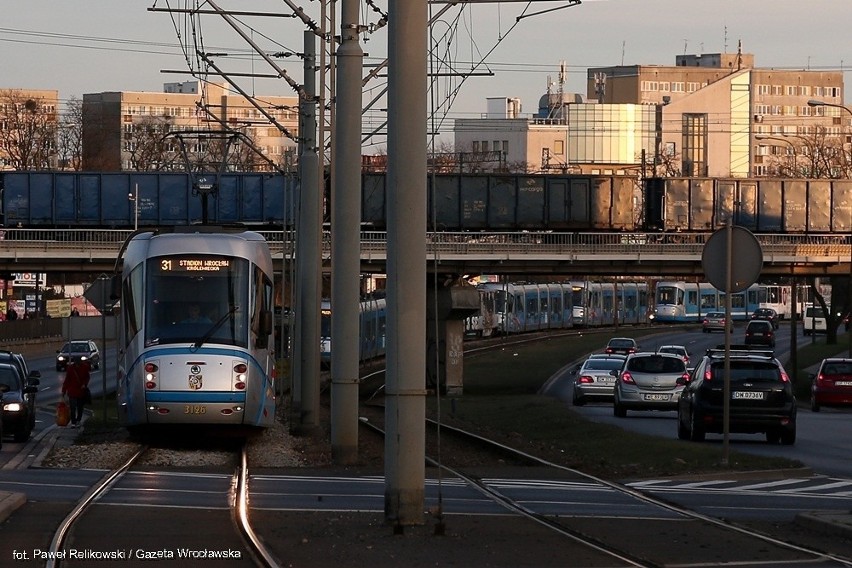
[[65, 538], [744, 544]]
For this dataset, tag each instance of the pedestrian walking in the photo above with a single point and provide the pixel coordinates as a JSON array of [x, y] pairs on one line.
[[76, 387]]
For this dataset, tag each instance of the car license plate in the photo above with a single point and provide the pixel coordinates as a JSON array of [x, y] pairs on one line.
[[843, 383], [656, 397], [611, 380], [747, 395]]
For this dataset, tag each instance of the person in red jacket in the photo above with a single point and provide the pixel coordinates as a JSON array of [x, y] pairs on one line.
[[76, 381]]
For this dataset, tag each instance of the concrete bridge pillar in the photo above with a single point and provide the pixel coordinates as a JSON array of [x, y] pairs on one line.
[[447, 305]]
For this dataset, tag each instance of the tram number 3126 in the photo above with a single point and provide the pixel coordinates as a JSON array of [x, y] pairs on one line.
[[194, 409]]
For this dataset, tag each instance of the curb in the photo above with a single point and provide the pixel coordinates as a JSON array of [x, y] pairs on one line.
[[831, 522], [9, 503]]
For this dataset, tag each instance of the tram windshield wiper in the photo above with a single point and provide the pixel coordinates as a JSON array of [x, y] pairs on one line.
[[216, 325]]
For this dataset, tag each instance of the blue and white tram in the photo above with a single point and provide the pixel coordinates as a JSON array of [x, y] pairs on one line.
[[530, 307], [216, 370], [372, 330], [689, 301]]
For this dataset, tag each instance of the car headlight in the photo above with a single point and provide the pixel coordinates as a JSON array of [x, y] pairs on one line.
[[60, 358], [13, 407]]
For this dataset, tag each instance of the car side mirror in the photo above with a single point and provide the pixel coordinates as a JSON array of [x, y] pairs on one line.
[[682, 381], [35, 374], [614, 372]]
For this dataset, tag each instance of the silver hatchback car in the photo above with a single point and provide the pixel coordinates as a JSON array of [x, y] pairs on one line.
[[648, 381]]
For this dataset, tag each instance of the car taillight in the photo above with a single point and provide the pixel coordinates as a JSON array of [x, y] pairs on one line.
[[586, 379], [784, 377], [626, 377], [609, 350], [685, 377], [707, 374]]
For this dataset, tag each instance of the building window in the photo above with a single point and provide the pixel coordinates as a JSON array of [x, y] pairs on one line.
[[559, 147], [694, 145], [505, 147], [485, 145], [475, 146], [692, 87], [665, 86], [792, 90], [677, 87]]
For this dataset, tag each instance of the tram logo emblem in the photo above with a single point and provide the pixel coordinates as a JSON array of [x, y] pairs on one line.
[[195, 382], [195, 370]]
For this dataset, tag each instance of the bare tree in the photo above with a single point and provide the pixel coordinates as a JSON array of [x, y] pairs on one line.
[[816, 155], [70, 137], [27, 131], [150, 146]]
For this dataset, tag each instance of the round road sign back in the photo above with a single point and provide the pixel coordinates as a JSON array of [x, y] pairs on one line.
[[745, 264]]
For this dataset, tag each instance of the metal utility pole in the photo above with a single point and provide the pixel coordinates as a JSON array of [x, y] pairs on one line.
[[405, 411], [306, 358], [346, 239]]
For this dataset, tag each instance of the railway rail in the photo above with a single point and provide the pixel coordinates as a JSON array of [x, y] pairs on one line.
[[617, 539], [237, 496]]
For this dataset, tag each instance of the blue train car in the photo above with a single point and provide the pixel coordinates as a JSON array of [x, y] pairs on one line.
[[513, 202], [103, 200]]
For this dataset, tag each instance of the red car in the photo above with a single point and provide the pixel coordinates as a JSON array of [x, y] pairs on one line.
[[832, 384]]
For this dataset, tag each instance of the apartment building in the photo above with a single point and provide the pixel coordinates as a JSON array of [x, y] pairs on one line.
[[708, 115], [721, 115], [191, 126], [28, 129]]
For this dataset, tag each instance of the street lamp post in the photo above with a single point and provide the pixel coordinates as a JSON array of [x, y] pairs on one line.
[[816, 103], [134, 197], [783, 138]]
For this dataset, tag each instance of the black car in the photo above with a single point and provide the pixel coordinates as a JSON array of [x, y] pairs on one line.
[[761, 397], [19, 361], [18, 402], [767, 314], [81, 350], [621, 346], [760, 332]]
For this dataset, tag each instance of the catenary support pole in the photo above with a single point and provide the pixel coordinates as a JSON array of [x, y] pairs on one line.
[[406, 296], [346, 239], [306, 370]]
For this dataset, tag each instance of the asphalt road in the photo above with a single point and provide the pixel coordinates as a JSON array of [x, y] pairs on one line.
[[823, 439]]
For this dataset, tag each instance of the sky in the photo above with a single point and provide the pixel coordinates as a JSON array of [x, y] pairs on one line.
[[89, 46]]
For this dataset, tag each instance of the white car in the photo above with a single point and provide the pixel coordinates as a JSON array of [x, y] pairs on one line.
[[678, 350]]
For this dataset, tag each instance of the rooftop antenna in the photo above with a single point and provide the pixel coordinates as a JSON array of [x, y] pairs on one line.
[[739, 54], [623, 44], [726, 39], [685, 43]]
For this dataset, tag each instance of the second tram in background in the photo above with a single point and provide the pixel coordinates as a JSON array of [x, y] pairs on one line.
[[690, 301], [196, 338]]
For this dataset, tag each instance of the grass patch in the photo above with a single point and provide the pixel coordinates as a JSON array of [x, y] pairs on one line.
[[500, 398]]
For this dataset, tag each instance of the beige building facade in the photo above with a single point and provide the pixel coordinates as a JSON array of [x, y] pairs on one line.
[[187, 126], [708, 115]]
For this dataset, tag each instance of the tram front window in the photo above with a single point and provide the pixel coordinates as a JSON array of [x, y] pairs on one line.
[[189, 297]]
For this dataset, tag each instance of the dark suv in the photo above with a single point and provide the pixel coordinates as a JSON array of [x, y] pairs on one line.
[[18, 402], [761, 397], [760, 332]]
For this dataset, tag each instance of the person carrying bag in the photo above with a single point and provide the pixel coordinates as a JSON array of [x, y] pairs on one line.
[[75, 386]]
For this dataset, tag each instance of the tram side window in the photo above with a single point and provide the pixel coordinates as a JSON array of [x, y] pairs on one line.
[[131, 303]]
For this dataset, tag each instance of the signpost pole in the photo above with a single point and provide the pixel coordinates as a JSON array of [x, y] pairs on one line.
[[717, 261]]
